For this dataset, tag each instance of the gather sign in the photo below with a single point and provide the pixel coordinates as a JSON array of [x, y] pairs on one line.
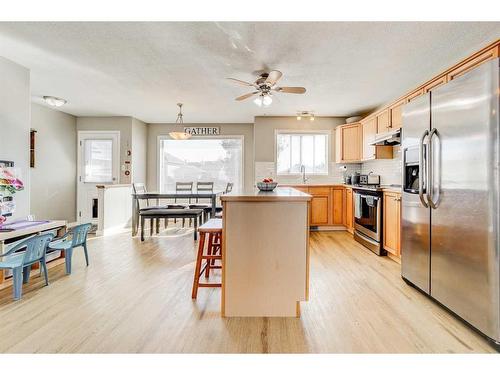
[[202, 130]]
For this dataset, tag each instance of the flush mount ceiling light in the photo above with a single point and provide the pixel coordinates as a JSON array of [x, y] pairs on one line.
[[305, 114], [179, 135], [54, 101]]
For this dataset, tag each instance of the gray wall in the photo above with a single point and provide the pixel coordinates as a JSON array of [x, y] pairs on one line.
[[265, 127], [139, 150], [155, 130], [53, 180], [15, 126]]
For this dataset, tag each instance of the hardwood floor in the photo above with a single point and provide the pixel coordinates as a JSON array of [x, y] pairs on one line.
[[136, 297]]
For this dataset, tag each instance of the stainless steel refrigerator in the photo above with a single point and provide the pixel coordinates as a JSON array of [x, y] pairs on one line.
[[450, 203]]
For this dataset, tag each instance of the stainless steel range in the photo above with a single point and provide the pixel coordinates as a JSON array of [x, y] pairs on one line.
[[368, 216]]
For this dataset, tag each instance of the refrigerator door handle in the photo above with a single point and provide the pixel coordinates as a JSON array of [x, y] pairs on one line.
[[430, 172], [421, 168]]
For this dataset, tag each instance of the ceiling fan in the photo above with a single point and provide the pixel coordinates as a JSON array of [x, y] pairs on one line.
[[265, 84]]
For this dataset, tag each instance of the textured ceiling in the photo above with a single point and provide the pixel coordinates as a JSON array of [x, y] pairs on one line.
[[143, 69]]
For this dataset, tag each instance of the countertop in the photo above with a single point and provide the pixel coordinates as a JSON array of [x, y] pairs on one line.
[[388, 188], [280, 194]]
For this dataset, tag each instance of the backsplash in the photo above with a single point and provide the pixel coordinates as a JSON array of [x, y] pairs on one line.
[[388, 169], [335, 175]]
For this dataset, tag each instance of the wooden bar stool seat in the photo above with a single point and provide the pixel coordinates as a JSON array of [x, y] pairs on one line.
[[212, 228]]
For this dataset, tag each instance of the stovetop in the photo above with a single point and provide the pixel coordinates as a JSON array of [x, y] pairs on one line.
[[367, 187]]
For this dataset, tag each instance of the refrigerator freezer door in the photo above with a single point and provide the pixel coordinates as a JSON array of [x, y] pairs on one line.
[[415, 233], [465, 260]]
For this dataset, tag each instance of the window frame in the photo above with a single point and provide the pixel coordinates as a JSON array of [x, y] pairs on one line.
[[328, 134], [225, 136]]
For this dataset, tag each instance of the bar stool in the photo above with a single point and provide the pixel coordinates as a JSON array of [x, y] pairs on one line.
[[213, 228]]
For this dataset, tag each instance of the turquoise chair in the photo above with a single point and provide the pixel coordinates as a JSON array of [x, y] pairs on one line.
[[77, 236], [20, 262]]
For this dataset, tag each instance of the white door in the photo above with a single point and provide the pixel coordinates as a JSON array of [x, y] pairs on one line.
[[98, 164]]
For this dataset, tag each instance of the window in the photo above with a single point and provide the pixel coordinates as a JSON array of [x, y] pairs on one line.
[[98, 154], [296, 149], [201, 159]]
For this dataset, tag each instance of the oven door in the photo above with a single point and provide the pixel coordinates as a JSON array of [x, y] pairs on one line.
[[367, 212]]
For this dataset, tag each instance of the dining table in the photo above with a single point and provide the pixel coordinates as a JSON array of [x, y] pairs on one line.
[[157, 196]]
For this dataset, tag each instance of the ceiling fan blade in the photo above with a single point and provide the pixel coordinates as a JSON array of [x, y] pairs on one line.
[[273, 77], [240, 82], [243, 97], [291, 90]]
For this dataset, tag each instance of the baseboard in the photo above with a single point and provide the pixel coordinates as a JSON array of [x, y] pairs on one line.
[[325, 228]]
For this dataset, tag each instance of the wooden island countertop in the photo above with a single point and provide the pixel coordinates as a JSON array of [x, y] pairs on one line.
[[280, 194]]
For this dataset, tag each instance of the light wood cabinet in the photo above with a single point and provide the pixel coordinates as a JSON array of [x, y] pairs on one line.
[[396, 115], [320, 205], [337, 205], [473, 62], [441, 80], [348, 143], [392, 223], [383, 121], [319, 210], [349, 209], [415, 94], [369, 130]]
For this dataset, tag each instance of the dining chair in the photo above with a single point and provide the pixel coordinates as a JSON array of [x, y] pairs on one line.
[[203, 187], [76, 237], [20, 262], [140, 188], [183, 188], [229, 188]]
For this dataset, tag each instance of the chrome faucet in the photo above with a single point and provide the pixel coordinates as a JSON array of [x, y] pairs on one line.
[[303, 171]]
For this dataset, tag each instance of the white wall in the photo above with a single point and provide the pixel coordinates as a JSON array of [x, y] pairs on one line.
[[139, 150], [53, 179], [15, 126], [155, 130]]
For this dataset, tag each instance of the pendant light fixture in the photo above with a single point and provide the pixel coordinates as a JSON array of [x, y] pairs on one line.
[[179, 135]]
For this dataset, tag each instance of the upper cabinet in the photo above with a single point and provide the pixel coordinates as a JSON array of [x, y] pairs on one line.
[[383, 121], [415, 94], [396, 115], [473, 62], [369, 130], [391, 117], [348, 143], [441, 80]]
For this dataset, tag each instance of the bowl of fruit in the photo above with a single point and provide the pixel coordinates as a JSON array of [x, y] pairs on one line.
[[267, 184]]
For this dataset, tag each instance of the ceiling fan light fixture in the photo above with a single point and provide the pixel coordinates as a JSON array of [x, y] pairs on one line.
[[267, 100], [258, 101], [179, 135], [311, 118], [299, 117]]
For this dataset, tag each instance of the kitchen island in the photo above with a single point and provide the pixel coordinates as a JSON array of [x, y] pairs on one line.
[[265, 252]]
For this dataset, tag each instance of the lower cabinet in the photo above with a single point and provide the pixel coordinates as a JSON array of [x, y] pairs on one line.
[[337, 194], [392, 223], [319, 210], [349, 209]]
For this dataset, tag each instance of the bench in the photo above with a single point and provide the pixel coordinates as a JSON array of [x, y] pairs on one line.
[[171, 213]]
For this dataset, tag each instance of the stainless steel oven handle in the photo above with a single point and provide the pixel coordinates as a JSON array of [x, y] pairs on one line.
[[430, 171], [420, 169]]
